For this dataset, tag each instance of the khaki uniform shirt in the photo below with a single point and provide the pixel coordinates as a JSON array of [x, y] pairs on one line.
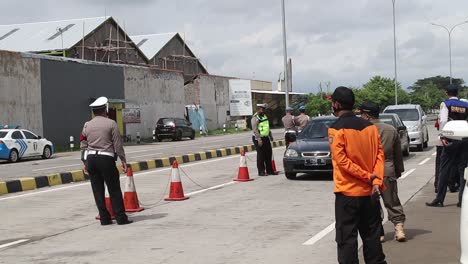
[[102, 134], [288, 122], [391, 145], [301, 121]]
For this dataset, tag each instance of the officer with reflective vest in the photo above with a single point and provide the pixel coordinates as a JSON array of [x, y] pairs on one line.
[[100, 145], [262, 140], [289, 126], [454, 153]]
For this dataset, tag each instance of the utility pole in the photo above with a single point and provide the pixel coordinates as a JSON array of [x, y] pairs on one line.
[[285, 54], [394, 53]]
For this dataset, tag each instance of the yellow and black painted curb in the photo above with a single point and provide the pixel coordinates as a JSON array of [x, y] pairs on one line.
[[32, 183]]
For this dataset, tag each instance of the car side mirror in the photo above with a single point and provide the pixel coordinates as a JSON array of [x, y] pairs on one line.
[[39, 137], [401, 128]]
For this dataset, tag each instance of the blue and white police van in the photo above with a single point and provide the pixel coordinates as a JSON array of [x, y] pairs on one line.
[[16, 144]]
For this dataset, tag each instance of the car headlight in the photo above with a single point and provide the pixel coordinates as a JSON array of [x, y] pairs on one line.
[[413, 129], [291, 153]]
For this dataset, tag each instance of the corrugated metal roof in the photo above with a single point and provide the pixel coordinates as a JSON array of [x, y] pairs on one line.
[[151, 44], [45, 36]]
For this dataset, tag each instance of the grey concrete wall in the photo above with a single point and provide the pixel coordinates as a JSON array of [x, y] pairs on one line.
[[214, 99], [157, 93], [67, 90], [20, 92]]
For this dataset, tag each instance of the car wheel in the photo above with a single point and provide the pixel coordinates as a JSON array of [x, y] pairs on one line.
[[290, 175], [420, 147], [426, 143], [178, 136], [47, 153], [407, 150], [13, 156]]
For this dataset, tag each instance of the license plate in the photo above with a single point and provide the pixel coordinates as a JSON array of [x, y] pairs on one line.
[[314, 162]]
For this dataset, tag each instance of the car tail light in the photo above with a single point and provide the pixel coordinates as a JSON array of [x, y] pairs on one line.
[[1, 142]]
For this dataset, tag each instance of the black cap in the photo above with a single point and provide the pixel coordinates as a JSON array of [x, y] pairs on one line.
[[344, 96], [451, 89], [370, 108]]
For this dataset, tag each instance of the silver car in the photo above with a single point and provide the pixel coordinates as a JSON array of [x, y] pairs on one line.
[[415, 121]]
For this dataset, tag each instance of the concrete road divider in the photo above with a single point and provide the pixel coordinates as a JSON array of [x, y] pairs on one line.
[[31, 183]]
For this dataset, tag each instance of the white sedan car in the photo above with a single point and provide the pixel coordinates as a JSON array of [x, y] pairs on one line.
[[20, 143]]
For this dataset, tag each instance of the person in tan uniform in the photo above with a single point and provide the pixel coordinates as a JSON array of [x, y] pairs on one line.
[[394, 167], [100, 145], [289, 126], [301, 120]]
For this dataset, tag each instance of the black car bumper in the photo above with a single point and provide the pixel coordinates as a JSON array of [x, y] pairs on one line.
[[298, 165]]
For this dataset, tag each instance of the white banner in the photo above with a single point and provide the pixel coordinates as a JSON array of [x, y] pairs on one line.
[[240, 98]]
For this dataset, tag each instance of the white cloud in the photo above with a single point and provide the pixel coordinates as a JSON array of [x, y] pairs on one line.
[[345, 42]]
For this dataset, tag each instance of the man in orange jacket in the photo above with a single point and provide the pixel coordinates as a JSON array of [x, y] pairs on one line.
[[358, 170]]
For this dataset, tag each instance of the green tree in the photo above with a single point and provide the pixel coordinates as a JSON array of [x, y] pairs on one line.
[[381, 90], [429, 96], [318, 104], [440, 82]]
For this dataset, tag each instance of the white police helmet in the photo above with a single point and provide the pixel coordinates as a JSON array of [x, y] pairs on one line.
[[101, 102]]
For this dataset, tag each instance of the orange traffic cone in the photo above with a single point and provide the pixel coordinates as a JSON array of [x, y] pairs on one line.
[[130, 196], [243, 174], [177, 192], [273, 164], [108, 206]]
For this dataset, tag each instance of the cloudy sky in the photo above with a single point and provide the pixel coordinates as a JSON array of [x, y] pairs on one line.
[[341, 41]]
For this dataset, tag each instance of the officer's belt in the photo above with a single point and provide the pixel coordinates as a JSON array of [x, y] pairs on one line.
[[97, 152], [290, 132]]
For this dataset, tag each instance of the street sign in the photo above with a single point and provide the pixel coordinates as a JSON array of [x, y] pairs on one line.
[[240, 98]]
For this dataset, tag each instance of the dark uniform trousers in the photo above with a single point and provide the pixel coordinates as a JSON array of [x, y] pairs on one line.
[[264, 154], [353, 215], [437, 165], [102, 169], [396, 215], [452, 160]]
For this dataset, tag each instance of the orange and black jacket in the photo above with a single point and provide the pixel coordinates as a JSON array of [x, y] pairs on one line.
[[356, 154]]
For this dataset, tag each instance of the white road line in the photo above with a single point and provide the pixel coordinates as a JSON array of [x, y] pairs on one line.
[[211, 188], [407, 174], [13, 243], [320, 235], [64, 166], [75, 185], [434, 154], [424, 161]]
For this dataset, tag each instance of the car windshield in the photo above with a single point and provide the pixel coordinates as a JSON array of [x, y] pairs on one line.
[[387, 120], [405, 114], [166, 122], [3, 134], [317, 129]]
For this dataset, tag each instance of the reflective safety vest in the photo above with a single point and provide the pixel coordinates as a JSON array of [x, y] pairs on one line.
[[458, 110], [263, 125]]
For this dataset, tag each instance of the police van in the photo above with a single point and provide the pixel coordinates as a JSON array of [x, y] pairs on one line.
[[16, 144]]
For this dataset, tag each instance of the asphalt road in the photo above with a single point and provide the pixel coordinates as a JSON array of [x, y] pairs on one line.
[[269, 220], [63, 162]]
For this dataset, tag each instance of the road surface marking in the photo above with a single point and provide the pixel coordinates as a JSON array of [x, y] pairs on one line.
[[75, 185], [64, 166], [424, 161], [434, 154], [407, 174], [13, 243], [211, 188], [320, 235]]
